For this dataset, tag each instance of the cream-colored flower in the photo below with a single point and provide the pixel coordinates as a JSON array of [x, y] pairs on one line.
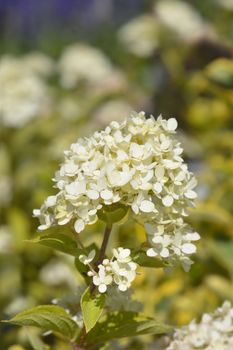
[[138, 164], [120, 270], [214, 332], [140, 35], [24, 95], [182, 18], [83, 63]]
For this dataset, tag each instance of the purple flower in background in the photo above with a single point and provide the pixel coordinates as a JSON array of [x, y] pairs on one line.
[[27, 20]]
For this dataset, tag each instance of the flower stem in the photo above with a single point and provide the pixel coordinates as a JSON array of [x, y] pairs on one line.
[[104, 244], [103, 247]]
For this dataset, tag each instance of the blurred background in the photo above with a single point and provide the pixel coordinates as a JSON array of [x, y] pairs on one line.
[[69, 67]]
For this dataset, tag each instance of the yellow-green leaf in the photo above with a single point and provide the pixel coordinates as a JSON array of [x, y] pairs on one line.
[[48, 318], [92, 308]]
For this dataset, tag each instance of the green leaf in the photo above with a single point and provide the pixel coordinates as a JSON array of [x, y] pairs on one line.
[[59, 241], [145, 261], [222, 252], [35, 341], [48, 318], [220, 72], [113, 213], [92, 308], [125, 324]]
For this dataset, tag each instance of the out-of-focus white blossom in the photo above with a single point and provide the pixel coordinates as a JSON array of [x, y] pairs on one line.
[[24, 95], [19, 304], [83, 63], [136, 163], [120, 270], [183, 19], [226, 4], [56, 272], [140, 35], [71, 303], [214, 332], [39, 63], [117, 301], [113, 110]]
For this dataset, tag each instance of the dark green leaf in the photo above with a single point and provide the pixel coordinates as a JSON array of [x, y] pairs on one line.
[[59, 241], [125, 324], [48, 318]]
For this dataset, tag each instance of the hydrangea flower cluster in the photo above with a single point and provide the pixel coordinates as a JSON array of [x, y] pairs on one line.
[[120, 270], [140, 35], [214, 332], [182, 18], [77, 62], [23, 89], [136, 163]]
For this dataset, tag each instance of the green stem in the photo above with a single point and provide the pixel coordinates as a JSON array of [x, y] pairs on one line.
[[103, 247], [107, 232]]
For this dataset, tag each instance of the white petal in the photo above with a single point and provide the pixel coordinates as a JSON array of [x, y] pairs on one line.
[[151, 252], [96, 280], [122, 287], [164, 253], [172, 124], [159, 172], [190, 194], [51, 201], [193, 236], [157, 187], [106, 194], [83, 259], [136, 150], [147, 206], [124, 253], [79, 225], [36, 212], [167, 201], [102, 288], [121, 155], [91, 255], [92, 194], [188, 248]]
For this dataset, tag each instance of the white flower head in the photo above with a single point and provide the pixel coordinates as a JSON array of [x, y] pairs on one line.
[[136, 164], [140, 35], [182, 18], [83, 63], [214, 332], [24, 94]]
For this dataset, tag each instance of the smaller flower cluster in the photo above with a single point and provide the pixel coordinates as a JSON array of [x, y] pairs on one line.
[[120, 270], [214, 332]]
